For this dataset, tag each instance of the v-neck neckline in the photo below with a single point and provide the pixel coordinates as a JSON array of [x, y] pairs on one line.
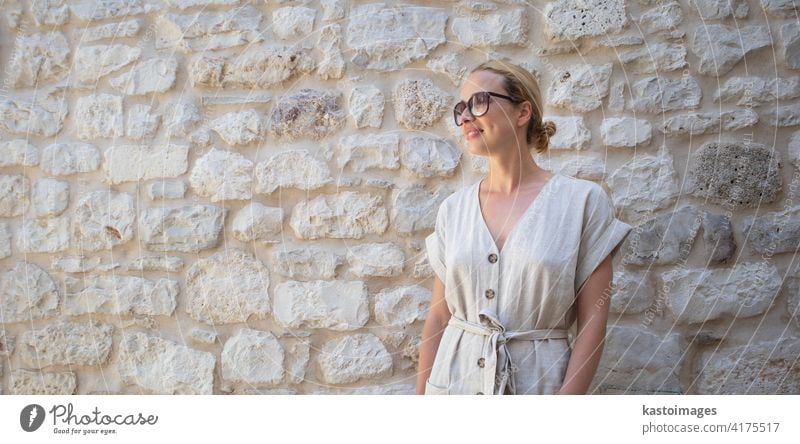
[[519, 220]]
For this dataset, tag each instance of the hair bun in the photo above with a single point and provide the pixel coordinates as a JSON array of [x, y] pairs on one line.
[[548, 128]]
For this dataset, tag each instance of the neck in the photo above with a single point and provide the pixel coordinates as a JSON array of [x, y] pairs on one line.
[[508, 173]]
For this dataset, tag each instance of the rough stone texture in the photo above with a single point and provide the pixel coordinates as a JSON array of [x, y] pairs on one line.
[[736, 175], [637, 361], [429, 157], [67, 343], [718, 236], [644, 185], [151, 76], [63, 159], [694, 124], [203, 336], [334, 305], [414, 208], [89, 10], [773, 232], [700, 295], [292, 169], [451, 64], [389, 37], [123, 29], [27, 294], [720, 9], [788, 115], [790, 33], [306, 114], [186, 228], [365, 105], [353, 357], [666, 239], [625, 132], [222, 175], [306, 263], [262, 68], [253, 357], [209, 30], [296, 359], [655, 58], [258, 222], [39, 59], [26, 382], [50, 197], [170, 264], [378, 259], [227, 287], [633, 292], [18, 152], [571, 133], [779, 8], [720, 47], [402, 306], [580, 88], [97, 61], [490, 29], [142, 123], [50, 12], [664, 17], [99, 116], [360, 152], [43, 118], [332, 65], [164, 367], [119, 295], [5, 240], [103, 220], [74, 263], [181, 118], [598, 18], [655, 95], [755, 91], [418, 104], [166, 189], [126, 163], [759, 368], [48, 235], [347, 215], [239, 128], [14, 195], [292, 21]]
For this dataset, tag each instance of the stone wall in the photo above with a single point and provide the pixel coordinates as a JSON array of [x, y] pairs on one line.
[[232, 196]]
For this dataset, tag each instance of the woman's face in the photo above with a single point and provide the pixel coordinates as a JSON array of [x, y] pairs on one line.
[[497, 128]]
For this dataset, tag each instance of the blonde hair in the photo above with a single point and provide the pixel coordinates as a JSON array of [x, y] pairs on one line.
[[522, 86]]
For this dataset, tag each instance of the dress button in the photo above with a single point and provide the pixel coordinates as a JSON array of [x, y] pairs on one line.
[[492, 258], [479, 393], [489, 293], [481, 362]]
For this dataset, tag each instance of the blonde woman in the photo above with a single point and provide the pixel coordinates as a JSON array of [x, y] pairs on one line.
[[519, 257]]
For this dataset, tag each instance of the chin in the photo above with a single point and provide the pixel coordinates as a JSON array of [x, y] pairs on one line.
[[478, 148]]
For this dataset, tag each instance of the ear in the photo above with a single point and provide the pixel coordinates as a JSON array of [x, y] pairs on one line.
[[525, 114]]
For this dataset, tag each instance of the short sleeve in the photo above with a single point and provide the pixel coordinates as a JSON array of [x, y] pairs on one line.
[[434, 244], [602, 234]]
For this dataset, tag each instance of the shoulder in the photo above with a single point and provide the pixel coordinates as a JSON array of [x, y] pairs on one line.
[[581, 190], [459, 198]]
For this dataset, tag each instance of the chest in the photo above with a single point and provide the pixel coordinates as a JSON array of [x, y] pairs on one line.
[[502, 214]]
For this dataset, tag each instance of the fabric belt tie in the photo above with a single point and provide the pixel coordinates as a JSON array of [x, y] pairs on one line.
[[499, 369]]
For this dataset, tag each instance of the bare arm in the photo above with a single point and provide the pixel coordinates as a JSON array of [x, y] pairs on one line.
[[592, 306], [435, 323]]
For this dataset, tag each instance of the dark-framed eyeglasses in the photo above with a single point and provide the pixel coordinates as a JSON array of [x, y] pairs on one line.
[[478, 104]]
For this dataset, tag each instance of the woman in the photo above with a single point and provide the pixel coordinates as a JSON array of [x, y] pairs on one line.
[[519, 257]]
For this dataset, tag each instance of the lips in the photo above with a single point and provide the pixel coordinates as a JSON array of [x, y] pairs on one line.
[[473, 132]]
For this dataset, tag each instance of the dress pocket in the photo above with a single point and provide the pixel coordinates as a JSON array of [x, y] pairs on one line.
[[431, 389]]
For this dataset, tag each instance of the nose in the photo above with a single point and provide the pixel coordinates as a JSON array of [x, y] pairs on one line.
[[466, 113]]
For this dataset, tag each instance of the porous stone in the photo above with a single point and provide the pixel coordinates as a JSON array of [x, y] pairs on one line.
[[574, 19], [509, 27], [402, 306], [164, 367], [694, 124], [67, 343], [580, 88], [127, 163], [696, 295], [166, 189], [333, 305], [18, 152], [755, 91], [28, 294], [142, 122], [718, 236], [258, 222], [625, 132], [346, 215], [119, 295], [571, 133], [306, 263], [655, 95], [419, 104], [664, 17], [644, 185], [209, 30], [292, 21], [720, 9], [39, 59], [65, 158], [97, 61], [665, 239], [186, 228], [759, 368], [14, 195], [306, 114], [103, 219], [262, 68], [654, 58], [48, 235], [116, 30], [332, 64], [227, 287], [737, 175], [222, 175], [414, 208], [354, 357], [360, 152], [155, 75], [632, 292], [292, 169], [43, 118], [99, 116], [720, 47], [50, 197], [365, 105], [253, 357], [26, 382], [429, 157], [389, 37], [239, 127], [376, 259]]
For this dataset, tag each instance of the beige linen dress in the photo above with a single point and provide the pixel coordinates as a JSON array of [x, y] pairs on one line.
[[510, 311]]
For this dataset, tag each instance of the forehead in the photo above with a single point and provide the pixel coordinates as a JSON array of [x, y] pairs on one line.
[[482, 81]]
